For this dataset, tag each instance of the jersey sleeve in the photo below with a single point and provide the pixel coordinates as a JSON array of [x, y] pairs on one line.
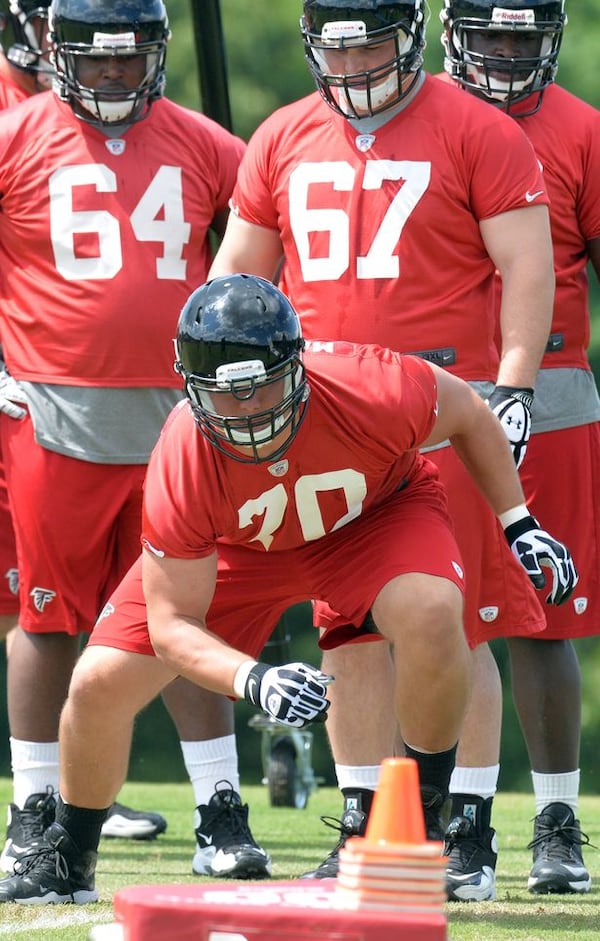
[[169, 527], [253, 198], [228, 151], [504, 171], [588, 207], [419, 398]]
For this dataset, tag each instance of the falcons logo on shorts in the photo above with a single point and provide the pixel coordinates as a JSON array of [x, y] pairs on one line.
[[12, 577], [42, 597]]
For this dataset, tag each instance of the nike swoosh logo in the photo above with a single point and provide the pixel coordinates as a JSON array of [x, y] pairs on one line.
[[16, 848], [531, 196], [148, 545], [252, 692], [207, 839]]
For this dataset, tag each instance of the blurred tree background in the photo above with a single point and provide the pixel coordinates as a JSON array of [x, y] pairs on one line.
[[266, 69]]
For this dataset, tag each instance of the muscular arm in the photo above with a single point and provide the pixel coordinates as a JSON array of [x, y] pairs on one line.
[[249, 248], [178, 595], [478, 439], [520, 245]]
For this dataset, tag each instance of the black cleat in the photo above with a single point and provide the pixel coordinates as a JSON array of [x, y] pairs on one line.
[[225, 846], [131, 824], [352, 823], [26, 827], [434, 804], [53, 871], [471, 855], [557, 860]]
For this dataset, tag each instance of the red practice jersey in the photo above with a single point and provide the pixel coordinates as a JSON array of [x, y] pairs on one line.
[[368, 411], [80, 211], [10, 93], [381, 231], [572, 174]]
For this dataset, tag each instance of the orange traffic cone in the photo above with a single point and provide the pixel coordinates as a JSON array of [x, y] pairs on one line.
[[397, 812]]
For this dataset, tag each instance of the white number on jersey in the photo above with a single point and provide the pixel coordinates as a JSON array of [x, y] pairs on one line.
[[158, 217], [380, 260], [273, 503]]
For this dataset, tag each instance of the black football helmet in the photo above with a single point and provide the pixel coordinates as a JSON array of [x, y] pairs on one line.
[[328, 26], [500, 80], [236, 334], [94, 28], [23, 25]]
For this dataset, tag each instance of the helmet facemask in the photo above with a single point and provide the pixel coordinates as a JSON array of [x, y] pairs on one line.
[[503, 81], [77, 41], [329, 30], [209, 399]]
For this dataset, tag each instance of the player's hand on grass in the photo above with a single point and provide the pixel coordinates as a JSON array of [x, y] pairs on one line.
[[293, 694]]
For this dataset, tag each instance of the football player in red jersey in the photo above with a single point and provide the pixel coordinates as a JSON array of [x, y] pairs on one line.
[[24, 70], [394, 198], [286, 475], [506, 53], [104, 232]]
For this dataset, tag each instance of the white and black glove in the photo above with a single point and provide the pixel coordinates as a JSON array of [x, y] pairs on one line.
[[11, 395], [533, 547], [512, 407], [293, 694]]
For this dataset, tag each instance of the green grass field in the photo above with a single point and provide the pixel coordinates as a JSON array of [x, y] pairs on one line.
[[297, 840]]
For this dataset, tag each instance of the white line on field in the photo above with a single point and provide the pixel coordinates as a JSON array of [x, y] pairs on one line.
[[57, 919]]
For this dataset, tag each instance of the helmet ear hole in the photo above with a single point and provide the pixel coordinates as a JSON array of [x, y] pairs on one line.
[[81, 31], [239, 350]]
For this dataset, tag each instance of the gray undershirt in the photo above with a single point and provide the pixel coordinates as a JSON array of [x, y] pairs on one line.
[[100, 425]]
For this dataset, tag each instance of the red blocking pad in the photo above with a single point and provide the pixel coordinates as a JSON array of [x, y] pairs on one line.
[[276, 911]]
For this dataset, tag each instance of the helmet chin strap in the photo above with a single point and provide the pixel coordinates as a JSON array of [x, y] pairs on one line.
[[357, 101], [110, 112], [496, 88]]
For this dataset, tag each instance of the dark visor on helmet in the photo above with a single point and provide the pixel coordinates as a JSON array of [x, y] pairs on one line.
[[84, 34], [383, 18]]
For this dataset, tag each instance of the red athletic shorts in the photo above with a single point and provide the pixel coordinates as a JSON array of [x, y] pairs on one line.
[[500, 599], [9, 573], [561, 477], [77, 528], [410, 533]]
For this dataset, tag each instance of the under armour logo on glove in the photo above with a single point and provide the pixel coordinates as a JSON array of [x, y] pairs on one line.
[[534, 548], [512, 407], [293, 694]]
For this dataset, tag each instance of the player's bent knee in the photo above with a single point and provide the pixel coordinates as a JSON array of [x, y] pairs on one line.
[[421, 606]]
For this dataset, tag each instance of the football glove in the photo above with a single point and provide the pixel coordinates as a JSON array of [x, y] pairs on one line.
[[293, 694], [534, 548], [11, 395], [512, 407]]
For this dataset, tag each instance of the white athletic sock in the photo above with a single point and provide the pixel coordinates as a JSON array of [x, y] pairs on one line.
[[35, 768], [481, 782], [209, 762], [552, 788], [361, 776]]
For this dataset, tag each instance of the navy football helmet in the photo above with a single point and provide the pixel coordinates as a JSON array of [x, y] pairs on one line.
[[23, 26], [96, 28], [330, 27], [237, 334], [491, 74]]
